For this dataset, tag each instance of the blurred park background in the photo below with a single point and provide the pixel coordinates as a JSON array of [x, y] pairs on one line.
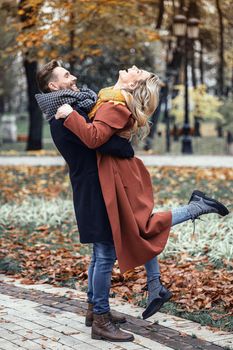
[[187, 43]]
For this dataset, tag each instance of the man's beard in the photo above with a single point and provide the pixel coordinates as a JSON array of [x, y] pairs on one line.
[[74, 87]]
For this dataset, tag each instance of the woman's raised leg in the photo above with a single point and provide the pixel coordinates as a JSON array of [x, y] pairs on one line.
[[199, 204]]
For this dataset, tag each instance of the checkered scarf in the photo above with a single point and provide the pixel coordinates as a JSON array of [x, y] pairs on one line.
[[49, 102]]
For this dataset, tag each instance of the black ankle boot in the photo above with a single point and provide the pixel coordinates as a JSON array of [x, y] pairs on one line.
[[200, 204], [157, 296]]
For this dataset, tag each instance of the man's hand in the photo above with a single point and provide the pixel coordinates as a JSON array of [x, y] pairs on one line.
[[63, 111]]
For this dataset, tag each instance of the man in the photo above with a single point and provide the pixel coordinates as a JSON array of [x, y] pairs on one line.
[[90, 210]]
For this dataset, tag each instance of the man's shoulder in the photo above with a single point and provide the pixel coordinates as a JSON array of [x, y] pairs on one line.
[[60, 133]]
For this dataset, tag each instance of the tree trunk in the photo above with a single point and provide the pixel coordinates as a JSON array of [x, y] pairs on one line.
[[229, 142], [72, 59], [219, 130], [201, 66], [221, 50], [181, 6], [30, 66], [35, 116], [193, 11], [173, 7], [197, 126], [2, 105], [232, 79], [2, 99], [167, 120], [160, 15], [175, 133], [154, 119]]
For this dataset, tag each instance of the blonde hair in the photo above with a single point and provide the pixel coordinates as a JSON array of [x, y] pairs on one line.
[[142, 101]]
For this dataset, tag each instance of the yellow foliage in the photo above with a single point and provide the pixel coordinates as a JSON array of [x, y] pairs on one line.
[[202, 104], [94, 25], [21, 12]]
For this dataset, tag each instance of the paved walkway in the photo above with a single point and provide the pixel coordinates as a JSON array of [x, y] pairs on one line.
[[149, 160], [40, 316]]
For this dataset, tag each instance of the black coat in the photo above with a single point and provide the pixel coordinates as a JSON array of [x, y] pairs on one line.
[[89, 206]]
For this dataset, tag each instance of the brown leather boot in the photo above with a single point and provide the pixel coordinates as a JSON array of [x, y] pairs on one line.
[[104, 328], [114, 318]]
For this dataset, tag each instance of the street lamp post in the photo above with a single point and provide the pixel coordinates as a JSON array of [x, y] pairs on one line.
[[169, 80], [187, 29]]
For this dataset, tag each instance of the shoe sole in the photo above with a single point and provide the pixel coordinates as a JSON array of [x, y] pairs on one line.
[[156, 305], [223, 211], [99, 337]]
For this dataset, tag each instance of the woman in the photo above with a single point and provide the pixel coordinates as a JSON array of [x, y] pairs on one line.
[[139, 236]]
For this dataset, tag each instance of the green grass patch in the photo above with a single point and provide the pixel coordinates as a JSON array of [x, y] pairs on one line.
[[23, 126], [213, 237], [10, 265], [213, 318]]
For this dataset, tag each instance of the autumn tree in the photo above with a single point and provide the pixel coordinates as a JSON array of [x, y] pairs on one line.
[[93, 38], [97, 37], [78, 31]]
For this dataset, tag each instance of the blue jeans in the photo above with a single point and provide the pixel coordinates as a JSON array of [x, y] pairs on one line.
[[102, 262], [99, 276]]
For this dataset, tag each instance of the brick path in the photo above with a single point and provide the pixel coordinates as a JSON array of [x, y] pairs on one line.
[[33, 319]]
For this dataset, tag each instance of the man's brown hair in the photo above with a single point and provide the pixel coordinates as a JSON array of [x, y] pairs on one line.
[[45, 74]]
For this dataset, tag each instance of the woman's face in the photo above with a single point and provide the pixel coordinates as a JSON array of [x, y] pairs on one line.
[[131, 76]]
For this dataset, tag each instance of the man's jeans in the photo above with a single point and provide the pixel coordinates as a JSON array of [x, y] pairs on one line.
[[99, 276], [103, 259]]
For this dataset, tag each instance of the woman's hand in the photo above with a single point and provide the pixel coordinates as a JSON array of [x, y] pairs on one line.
[[63, 111], [125, 134]]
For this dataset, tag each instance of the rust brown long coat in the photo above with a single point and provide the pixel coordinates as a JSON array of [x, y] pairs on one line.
[[127, 190]]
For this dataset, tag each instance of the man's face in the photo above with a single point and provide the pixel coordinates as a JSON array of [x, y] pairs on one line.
[[62, 79]]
